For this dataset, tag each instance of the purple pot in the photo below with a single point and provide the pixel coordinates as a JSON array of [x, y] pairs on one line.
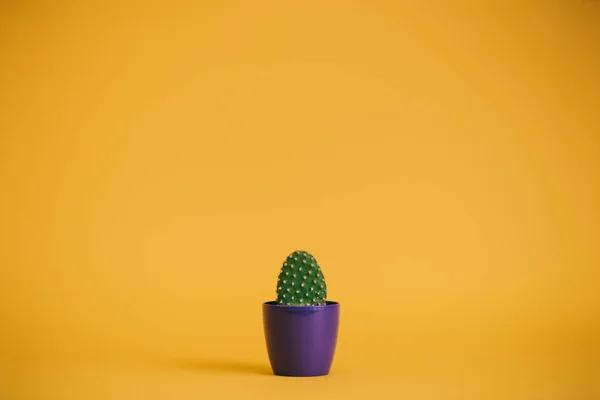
[[301, 340]]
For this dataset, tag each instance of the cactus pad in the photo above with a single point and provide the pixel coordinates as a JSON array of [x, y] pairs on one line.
[[301, 281]]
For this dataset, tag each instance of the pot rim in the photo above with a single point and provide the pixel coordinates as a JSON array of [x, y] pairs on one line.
[[328, 304]]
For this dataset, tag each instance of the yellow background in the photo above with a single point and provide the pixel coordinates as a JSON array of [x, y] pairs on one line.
[[158, 161]]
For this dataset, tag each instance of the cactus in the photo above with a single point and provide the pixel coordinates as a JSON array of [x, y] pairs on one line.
[[301, 281]]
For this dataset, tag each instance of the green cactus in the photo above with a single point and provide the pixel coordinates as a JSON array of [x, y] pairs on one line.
[[301, 281]]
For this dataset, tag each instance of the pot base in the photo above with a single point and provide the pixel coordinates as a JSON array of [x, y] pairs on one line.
[[299, 376]]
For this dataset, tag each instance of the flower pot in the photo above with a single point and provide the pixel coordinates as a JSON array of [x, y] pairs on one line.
[[301, 340]]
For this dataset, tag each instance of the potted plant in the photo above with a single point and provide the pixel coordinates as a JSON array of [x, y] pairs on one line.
[[301, 326]]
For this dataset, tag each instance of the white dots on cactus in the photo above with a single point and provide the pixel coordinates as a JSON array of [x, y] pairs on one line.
[[302, 284], [314, 281], [297, 291], [300, 269], [312, 264], [279, 288], [304, 277], [309, 271], [301, 300], [292, 297], [293, 283], [312, 289], [318, 274], [304, 261], [284, 281], [285, 263], [321, 286], [294, 275], [283, 295], [286, 273], [288, 289], [295, 258]]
